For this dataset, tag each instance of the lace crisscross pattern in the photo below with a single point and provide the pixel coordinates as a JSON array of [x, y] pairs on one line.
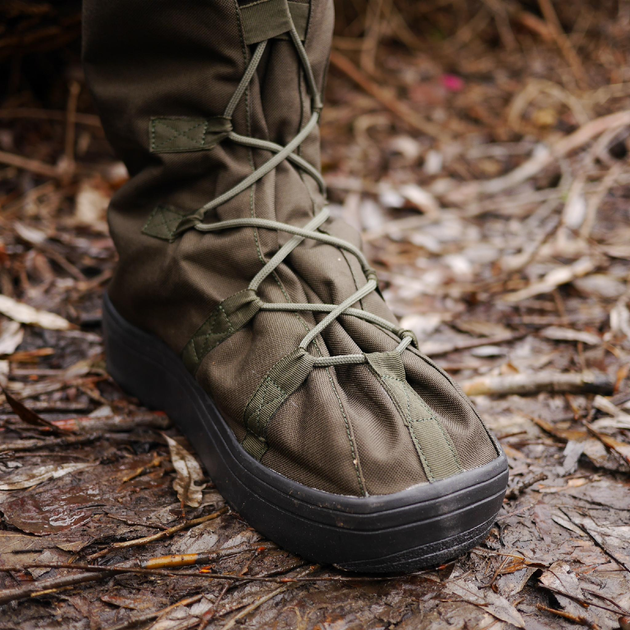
[[299, 234]]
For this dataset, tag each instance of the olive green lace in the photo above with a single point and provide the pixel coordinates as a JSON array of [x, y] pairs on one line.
[[309, 231]]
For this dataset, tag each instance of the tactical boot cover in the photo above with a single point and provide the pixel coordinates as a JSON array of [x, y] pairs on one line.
[[249, 314]]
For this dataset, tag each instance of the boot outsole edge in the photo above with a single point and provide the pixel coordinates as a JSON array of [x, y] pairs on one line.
[[422, 526]]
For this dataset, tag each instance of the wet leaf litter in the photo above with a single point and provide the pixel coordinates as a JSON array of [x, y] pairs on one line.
[[483, 153]]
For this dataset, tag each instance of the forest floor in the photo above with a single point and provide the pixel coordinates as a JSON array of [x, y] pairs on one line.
[[488, 170]]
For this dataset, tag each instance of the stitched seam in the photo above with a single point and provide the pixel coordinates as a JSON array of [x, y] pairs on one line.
[[204, 134], [276, 277], [164, 222], [158, 220], [433, 417], [250, 153], [152, 135], [199, 335], [180, 133], [453, 383], [353, 449], [211, 333], [249, 402], [396, 401], [459, 391], [253, 4], [406, 387], [282, 397], [230, 326], [355, 459], [183, 133]]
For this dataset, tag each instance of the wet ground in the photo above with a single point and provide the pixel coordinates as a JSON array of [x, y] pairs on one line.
[[488, 171]]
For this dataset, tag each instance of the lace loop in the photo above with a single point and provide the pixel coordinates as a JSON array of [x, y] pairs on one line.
[[299, 234]]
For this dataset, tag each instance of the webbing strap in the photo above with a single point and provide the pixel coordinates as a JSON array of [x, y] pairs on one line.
[[433, 444], [266, 19]]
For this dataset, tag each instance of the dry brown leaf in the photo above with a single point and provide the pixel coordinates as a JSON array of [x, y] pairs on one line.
[[560, 579], [27, 415], [26, 314], [30, 476], [188, 472], [482, 328], [490, 601]]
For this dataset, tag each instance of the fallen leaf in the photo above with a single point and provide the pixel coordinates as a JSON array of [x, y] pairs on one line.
[[620, 318], [91, 203], [490, 601], [188, 472], [560, 579], [26, 314], [420, 198], [558, 333], [30, 476], [482, 328], [27, 415], [11, 337], [554, 279]]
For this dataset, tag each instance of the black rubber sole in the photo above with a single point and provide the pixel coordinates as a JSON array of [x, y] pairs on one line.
[[422, 526]]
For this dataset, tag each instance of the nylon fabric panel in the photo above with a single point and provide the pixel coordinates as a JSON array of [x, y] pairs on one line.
[[155, 63], [388, 457], [308, 440], [473, 444], [434, 446]]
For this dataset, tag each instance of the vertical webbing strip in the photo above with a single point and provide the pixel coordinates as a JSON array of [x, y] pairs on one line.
[[265, 19], [433, 444], [277, 385]]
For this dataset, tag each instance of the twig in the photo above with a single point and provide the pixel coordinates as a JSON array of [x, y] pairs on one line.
[[202, 573], [531, 384], [597, 198], [585, 603], [31, 445], [539, 161], [27, 164], [436, 348], [114, 422], [209, 615], [51, 585], [401, 110], [564, 43], [188, 559], [609, 443], [140, 542], [202, 558], [260, 601], [372, 36], [71, 112], [555, 278], [523, 485], [94, 573], [596, 540], [580, 620], [48, 114]]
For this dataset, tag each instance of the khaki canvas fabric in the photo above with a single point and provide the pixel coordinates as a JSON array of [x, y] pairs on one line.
[[341, 430]]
